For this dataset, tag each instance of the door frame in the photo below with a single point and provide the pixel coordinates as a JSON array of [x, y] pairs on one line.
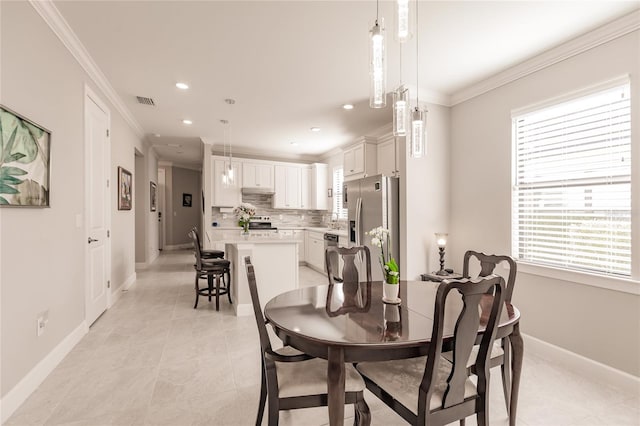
[[91, 96]]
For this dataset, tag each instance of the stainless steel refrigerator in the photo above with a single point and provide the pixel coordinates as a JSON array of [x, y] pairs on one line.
[[373, 201]]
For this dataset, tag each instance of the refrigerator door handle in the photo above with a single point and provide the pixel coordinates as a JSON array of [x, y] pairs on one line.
[[358, 221]]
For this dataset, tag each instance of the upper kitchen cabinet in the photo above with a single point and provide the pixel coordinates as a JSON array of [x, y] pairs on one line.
[[287, 187], [360, 159], [226, 193], [318, 187], [389, 155], [258, 176], [313, 187]]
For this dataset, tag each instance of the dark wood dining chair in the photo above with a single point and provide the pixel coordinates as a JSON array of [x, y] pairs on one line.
[[207, 254], [431, 390], [213, 270], [355, 298], [292, 379], [501, 351]]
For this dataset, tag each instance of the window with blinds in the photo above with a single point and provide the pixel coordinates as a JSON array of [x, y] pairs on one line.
[[338, 186], [572, 189]]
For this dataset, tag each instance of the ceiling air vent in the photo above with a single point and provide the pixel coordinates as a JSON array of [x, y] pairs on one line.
[[145, 101]]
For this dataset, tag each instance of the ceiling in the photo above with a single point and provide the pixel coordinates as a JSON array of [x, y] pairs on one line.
[[291, 65]]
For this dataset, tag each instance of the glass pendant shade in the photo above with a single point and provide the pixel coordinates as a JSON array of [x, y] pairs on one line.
[[377, 67], [400, 111], [403, 31], [418, 133]]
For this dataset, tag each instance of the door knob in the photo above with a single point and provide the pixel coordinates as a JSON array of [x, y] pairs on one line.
[[91, 240]]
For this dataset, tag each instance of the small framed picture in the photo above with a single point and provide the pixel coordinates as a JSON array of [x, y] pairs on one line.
[[125, 189], [153, 197], [186, 200]]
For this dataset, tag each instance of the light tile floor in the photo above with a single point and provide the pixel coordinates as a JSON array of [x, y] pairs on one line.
[[153, 359]]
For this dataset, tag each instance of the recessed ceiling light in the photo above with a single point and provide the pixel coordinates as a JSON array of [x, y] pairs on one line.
[[315, 129], [294, 143], [187, 122], [183, 86], [157, 135], [347, 106]]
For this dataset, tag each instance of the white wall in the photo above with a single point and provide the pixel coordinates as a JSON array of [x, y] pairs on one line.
[[184, 181], [138, 206], [600, 324], [42, 265], [424, 197]]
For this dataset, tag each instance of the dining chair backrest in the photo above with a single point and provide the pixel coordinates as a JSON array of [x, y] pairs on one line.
[[488, 263], [265, 342], [478, 309], [349, 256]]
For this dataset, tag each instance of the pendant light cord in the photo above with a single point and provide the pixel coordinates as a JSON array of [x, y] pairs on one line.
[[417, 59]]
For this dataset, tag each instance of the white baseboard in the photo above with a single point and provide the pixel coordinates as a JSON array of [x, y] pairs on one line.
[[243, 310], [34, 378], [155, 256], [142, 265], [116, 293], [579, 364], [178, 246]]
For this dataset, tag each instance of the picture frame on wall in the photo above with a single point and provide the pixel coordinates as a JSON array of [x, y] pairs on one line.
[[187, 200], [25, 161], [125, 189], [153, 194]]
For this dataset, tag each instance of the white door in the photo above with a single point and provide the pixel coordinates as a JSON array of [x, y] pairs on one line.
[[97, 207]]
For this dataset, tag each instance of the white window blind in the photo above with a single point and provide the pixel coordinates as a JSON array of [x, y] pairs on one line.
[[338, 186], [572, 189]]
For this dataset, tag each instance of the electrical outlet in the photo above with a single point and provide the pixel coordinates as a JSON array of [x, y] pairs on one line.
[[224, 215], [41, 322]]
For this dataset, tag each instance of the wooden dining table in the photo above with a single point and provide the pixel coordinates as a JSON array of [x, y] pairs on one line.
[[352, 324]]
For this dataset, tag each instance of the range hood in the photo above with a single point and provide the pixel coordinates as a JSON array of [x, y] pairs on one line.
[[257, 190]]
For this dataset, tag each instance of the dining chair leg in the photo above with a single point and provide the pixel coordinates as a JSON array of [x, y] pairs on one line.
[[506, 372], [362, 413], [274, 409], [263, 396], [517, 347], [195, 306], [227, 284]]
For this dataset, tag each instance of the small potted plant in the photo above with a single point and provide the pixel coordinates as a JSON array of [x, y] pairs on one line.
[[381, 238], [244, 212]]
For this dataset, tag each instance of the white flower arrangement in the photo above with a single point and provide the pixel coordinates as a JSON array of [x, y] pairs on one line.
[[381, 237], [244, 212]]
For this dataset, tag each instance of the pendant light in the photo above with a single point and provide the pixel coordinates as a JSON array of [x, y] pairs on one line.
[[400, 106], [377, 64], [403, 30], [227, 173], [418, 116]]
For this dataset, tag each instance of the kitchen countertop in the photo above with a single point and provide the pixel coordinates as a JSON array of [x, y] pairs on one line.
[[340, 232]]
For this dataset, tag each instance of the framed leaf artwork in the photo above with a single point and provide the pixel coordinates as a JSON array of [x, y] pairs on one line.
[[25, 161]]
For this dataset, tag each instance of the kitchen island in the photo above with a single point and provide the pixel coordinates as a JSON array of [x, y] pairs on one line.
[[275, 258]]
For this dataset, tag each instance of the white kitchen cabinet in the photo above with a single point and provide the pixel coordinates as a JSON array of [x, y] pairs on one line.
[[305, 187], [389, 156], [360, 160], [257, 175], [287, 187], [226, 194], [315, 250], [318, 199]]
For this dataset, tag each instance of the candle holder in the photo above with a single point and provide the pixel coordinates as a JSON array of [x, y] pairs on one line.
[[441, 240]]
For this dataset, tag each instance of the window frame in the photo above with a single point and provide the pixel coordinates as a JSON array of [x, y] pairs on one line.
[[624, 284], [338, 193]]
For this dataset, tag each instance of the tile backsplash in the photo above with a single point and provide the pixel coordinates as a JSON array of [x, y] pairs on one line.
[[279, 217]]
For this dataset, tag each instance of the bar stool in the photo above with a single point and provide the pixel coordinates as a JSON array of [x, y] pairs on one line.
[[212, 270]]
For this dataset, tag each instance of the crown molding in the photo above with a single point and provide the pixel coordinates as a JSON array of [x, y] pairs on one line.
[[60, 27], [580, 44]]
